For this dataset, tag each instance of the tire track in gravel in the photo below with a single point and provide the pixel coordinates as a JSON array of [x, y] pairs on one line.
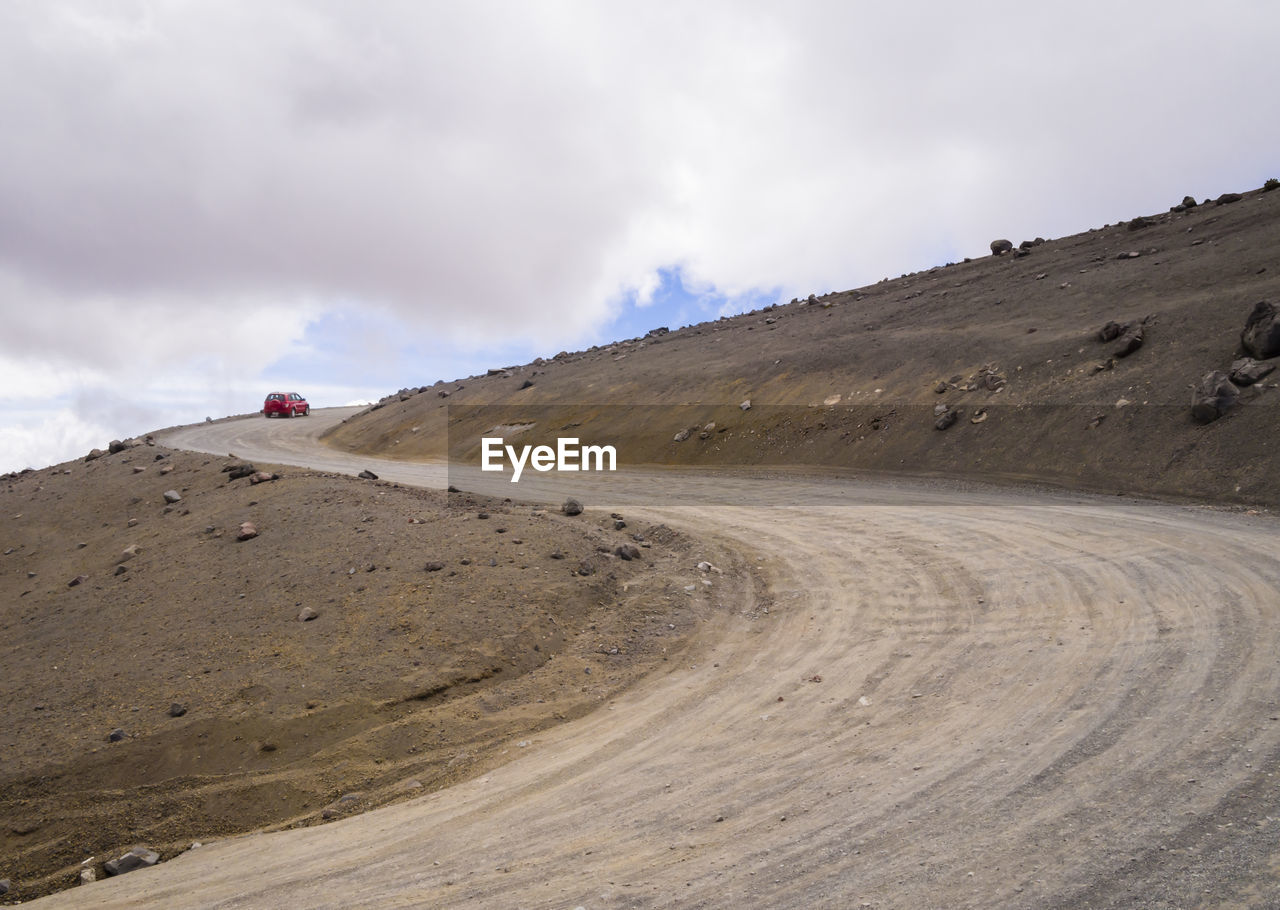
[[945, 697]]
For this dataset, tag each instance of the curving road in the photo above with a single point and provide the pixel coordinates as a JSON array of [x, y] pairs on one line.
[[942, 697]]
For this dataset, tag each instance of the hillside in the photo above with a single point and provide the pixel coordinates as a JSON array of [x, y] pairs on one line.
[[166, 682], [855, 379]]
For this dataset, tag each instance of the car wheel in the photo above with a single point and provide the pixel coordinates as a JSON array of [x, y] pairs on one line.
[[306, 412]]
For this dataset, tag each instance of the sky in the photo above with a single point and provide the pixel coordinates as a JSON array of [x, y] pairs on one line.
[[202, 201]]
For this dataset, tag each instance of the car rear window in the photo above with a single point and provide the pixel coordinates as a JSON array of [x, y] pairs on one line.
[[275, 398]]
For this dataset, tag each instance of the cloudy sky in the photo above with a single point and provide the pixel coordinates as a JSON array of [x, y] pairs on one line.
[[205, 200]]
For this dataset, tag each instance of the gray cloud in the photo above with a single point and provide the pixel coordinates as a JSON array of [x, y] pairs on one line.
[[518, 160]]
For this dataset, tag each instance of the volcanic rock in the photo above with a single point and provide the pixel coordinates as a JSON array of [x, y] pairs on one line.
[[136, 858], [1261, 333], [1110, 332], [1247, 371], [1213, 397], [1130, 341], [944, 416]]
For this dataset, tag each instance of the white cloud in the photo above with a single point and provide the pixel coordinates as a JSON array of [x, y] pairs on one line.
[[186, 183]]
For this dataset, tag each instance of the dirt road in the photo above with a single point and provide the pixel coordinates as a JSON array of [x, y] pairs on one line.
[[943, 697]]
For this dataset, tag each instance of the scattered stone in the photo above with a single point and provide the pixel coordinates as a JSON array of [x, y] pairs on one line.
[[115, 736], [483, 516], [989, 379], [138, 469], [571, 507], [238, 470], [586, 568], [1110, 332], [746, 405], [1130, 341], [1140, 222], [78, 580], [1227, 199], [248, 531], [940, 386], [681, 436], [166, 469], [978, 417], [129, 552], [131, 523], [627, 552], [556, 554], [116, 446], [306, 614], [94, 454], [177, 709], [1247, 371], [433, 567], [619, 524], [945, 416], [88, 876], [1129, 254], [262, 477], [172, 496], [1261, 333], [366, 474], [999, 247], [137, 858], [1189, 202], [527, 384], [120, 570], [1213, 397]]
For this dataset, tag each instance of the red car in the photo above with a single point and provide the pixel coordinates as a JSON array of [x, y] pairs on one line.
[[285, 404]]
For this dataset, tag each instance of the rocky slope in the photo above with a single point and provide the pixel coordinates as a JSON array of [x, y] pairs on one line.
[[166, 681], [1007, 345]]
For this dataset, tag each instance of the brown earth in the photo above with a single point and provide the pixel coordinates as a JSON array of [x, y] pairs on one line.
[[406, 681], [849, 381]]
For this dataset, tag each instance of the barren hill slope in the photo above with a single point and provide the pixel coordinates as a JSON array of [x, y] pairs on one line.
[[165, 682], [854, 379]]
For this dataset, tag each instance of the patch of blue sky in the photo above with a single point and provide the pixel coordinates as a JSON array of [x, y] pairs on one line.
[[675, 302]]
